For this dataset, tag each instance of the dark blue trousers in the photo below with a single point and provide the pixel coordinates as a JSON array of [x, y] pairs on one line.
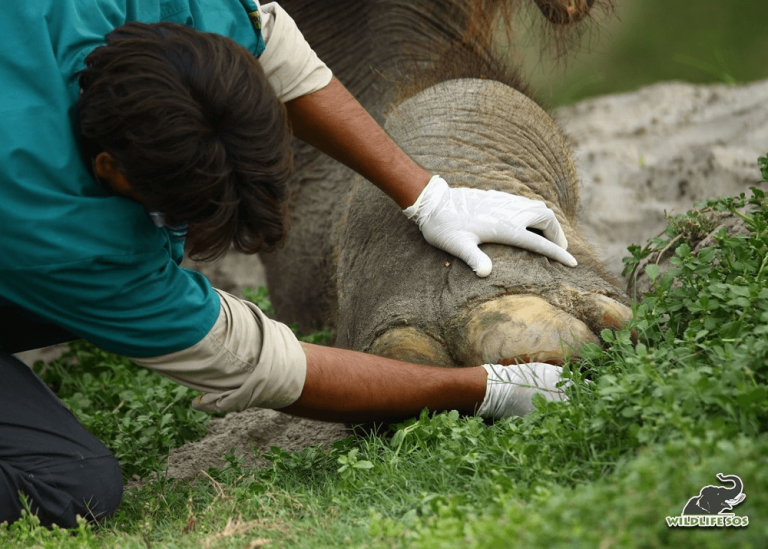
[[47, 455]]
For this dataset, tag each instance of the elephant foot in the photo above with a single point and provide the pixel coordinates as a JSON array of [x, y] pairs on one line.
[[507, 330], [518, 328]]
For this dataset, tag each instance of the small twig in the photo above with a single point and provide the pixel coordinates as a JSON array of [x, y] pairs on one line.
[[762, 268], [662, 252], [219, 489]]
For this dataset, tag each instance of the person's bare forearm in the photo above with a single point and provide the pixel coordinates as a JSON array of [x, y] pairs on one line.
[[334, 122], [349, 386]]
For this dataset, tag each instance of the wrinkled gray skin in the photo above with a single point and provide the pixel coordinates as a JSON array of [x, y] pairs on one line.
[[352, 260]]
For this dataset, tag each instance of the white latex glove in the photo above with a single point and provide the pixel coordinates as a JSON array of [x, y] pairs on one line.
[[458, 220], [509, 390]]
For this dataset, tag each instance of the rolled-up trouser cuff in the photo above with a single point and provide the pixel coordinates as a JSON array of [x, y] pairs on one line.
[[246, 360]]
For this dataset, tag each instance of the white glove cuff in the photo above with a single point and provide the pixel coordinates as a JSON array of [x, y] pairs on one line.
[[509, 390], [429, 198]]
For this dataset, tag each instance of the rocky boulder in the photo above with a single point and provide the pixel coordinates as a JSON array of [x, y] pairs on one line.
[[658, 150]]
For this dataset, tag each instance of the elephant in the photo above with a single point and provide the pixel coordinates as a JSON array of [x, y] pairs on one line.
[[430, 73], [713, 500]]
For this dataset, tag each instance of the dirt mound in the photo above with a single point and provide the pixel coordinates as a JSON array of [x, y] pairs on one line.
[[251, 433]]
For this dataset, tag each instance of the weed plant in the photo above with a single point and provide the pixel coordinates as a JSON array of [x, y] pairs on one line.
[[675, 397]]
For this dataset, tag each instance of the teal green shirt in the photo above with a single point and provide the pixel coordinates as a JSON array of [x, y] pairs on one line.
[[94, 264]]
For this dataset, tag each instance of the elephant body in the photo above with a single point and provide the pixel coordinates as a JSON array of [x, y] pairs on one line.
[[429, 73], [713, 500]]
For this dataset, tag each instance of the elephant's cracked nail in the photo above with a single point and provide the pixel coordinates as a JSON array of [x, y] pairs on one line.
[[609, 313], [519, 328], [411, 345]]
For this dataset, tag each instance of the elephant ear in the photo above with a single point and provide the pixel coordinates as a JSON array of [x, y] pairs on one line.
[[701, 500]]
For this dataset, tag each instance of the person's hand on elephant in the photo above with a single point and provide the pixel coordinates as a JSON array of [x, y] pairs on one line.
[[510, 389], [457, 220]]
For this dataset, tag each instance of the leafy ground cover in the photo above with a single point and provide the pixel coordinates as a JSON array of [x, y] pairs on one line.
[[674, 398]]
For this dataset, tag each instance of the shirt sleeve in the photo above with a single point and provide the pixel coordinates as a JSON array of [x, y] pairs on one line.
[[292, 67], [246, 360]]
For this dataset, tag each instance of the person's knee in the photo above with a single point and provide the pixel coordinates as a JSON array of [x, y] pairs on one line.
[[90, 488], [100, 488]]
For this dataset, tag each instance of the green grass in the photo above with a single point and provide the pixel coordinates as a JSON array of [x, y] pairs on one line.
[[677, 396]]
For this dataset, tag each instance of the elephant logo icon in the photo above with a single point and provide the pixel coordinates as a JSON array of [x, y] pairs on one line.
[[711, 508], [715, 500]]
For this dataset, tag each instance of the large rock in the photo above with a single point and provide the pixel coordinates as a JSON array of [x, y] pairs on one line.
[[658, 150]]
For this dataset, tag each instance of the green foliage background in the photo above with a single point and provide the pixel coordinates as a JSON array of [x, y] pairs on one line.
[[648, 41]]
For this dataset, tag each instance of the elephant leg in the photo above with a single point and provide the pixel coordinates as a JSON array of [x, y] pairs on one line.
[[300, 274], [401, 297]]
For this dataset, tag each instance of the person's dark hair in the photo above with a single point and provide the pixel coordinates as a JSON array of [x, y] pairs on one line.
[[196, 130]]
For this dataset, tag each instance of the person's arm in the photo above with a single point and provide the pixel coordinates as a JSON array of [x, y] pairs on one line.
[[349, 386], [324, 114], [248, 360], [334, 122], [454, 220]]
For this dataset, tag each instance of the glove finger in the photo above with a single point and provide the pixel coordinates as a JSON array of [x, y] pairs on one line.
[[549, 249], [477, 260], [535, 243], [466, 249], [546, 221]]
